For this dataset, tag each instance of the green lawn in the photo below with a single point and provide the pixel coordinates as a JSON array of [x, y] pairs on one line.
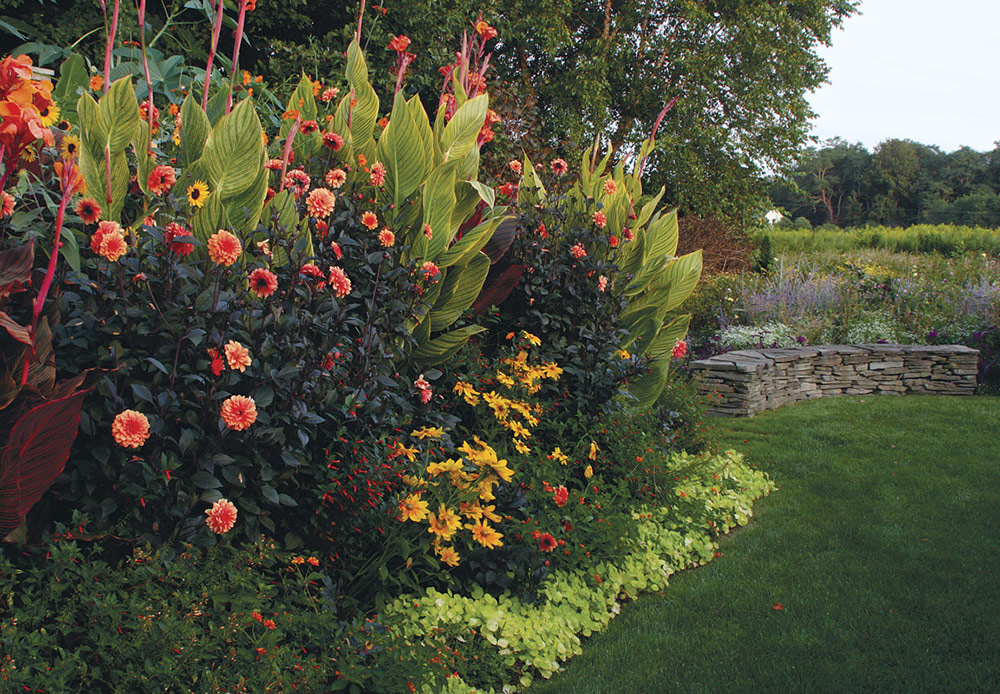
[[881, 545]]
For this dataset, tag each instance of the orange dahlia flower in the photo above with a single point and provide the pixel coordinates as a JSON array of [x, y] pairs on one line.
[[239, 412], [130, 429], [224, 248], [237, 355], [221, 517]]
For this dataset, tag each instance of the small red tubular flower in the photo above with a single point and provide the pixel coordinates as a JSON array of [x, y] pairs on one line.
[[221, 517]]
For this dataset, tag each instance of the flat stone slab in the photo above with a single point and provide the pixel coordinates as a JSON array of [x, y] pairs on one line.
[[751, 380]]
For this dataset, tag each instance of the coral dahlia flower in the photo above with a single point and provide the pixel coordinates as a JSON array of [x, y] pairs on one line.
[[340, 282], [89, 210], [386, 237], [546, 542], [239, 412], [320, 203], [377, 175], [113, 246], [335, 177], [221, 517], [6, 204], [578, 251], [600, 219], [430, 271], [560, 496], [130, 429], [559, 167], [263, 282], [161, 179], [224, 248], [370, 220], [173, 231], [679, 350], [514, 166], [333, 141], [237, 355], [610, 187]]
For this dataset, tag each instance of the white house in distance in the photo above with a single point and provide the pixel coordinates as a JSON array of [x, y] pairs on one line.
[[773, 217]]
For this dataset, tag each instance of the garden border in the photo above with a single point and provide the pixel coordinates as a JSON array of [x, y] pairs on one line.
[[745, 382]]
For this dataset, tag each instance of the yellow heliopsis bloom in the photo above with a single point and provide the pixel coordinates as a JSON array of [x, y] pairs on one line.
[[557, 454], [450, 466], [445, 523], [532, 339], [552, 370], [410, 453], [518, 429], [486, 535], [623, 354], [447, 555], [428, 432], [197, 194], [593, 450], [412, 508], [588, 472], [522, 447], [465, 390]]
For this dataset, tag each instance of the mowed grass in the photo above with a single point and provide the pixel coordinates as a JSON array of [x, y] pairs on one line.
[[881, 544]]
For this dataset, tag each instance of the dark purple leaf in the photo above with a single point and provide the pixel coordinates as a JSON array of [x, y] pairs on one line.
[[497, 288]]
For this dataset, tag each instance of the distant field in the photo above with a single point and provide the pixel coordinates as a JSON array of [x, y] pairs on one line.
[[945, 239]]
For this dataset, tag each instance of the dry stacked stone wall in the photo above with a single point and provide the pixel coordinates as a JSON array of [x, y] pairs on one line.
[[749, 381]]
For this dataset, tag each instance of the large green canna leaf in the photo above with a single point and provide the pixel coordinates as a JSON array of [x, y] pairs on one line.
[[73, 77], [460, 288], [445, 346], [648, 387], [92, 167], [470, 244], [195, 128], [649, 208], [661, 236], [432, 151], [439, 203], [401, 149], [304, 101], [232, 155], [122, 112], [630, 254], [145, 161], [531, 191], [459, 137], [683, 275], [365, 111], [616, 209]]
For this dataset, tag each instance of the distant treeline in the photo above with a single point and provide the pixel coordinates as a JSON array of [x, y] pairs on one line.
[[901, 183]]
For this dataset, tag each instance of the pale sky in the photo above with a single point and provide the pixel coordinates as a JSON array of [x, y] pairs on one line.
[[923, 70]]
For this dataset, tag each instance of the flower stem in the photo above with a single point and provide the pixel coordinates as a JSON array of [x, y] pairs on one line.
[[211, 54], [236, 54]]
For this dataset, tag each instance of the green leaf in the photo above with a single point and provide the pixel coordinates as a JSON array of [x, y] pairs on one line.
[[661, 236], [195, 127], [530, 191], [122, 113], [432, 152], [365, 111], [145, 161], [445, 346], [649, 208], [72, 77], [470, 244], [648, 387], [461, 287], [233, 150], [401, 150], [439, 203], [459, 136], [486, 193]]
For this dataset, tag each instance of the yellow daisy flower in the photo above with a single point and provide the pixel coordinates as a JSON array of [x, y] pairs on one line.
[[197, 194]]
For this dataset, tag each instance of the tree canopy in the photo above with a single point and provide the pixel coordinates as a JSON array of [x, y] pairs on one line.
[[900, 183]]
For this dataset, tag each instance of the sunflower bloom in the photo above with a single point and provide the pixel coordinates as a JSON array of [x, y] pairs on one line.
[[197, 193], [70, 147], [237, 356], [130, 429], [89, 210], [224, 248], [221, 517], [239, 412], [263, 282]]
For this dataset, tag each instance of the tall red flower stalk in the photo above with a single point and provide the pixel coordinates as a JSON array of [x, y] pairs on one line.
[[145, 69], [211, 54], [110, 31], [68, 185], [288, 150], [236, 52]]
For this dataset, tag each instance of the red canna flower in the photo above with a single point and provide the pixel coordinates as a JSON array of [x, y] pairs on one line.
[[399, 44]]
